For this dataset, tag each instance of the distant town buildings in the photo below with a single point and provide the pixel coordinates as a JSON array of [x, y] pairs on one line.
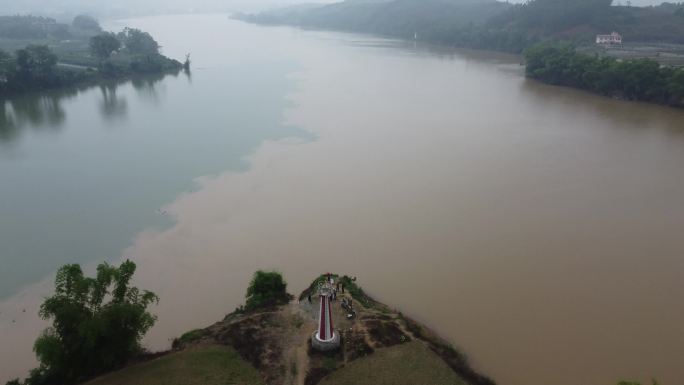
[[613, 38]]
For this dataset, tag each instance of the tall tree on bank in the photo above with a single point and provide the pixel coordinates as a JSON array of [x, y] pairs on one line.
[[138, 42], [97, 324], [102, 45], [36, 62]]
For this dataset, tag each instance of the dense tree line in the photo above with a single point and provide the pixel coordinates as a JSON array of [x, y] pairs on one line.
[[129, 51], [643, 79], [33, 68]]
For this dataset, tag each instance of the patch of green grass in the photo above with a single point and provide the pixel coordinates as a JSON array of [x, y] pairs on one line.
[[313, 286], [210, 365], [413, 327], [356, 291], [405, 364], [191, 336]]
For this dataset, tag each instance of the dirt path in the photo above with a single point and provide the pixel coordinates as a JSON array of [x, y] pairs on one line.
[[302, 365], [297, 358]]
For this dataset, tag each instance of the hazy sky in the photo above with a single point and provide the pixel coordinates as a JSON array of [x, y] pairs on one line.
[[114, 8], [124, 7]]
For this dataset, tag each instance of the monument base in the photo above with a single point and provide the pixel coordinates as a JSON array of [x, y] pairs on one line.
[[325, 346]]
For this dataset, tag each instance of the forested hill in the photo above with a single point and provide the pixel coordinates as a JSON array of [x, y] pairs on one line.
[[400, 18], [581, 20], [489, 24]]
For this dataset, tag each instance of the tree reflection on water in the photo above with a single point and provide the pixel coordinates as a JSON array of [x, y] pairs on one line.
[[45, 109], [34, 110]]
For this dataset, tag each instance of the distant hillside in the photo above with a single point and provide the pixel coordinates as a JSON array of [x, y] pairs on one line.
[[402, 18], [32, 27], [489, 24], [581, 20]]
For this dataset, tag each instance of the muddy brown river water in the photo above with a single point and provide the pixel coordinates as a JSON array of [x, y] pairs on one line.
[[537, 228]]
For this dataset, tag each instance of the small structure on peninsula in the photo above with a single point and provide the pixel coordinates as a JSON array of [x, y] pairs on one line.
[[325, 338]]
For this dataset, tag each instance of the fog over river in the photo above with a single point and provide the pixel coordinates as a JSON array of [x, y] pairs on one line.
[[538, 229]]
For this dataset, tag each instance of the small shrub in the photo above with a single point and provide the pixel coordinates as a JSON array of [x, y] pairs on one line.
[[188, 337], [356, 292], [266, 289], [314, 286]]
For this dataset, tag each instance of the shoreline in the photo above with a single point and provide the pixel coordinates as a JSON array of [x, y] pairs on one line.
[[523, 61], [93, 81]]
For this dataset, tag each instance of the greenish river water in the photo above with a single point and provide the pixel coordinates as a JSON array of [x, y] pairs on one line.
[[83, 171], [537, 228]]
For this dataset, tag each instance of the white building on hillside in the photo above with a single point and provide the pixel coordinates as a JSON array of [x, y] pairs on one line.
[[613, 38]]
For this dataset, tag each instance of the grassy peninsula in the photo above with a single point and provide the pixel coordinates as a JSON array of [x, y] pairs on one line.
[[270, 337], [98, 323], [38, 53]]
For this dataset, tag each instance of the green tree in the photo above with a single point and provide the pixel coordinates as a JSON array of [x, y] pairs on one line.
[[102, 45], [36, 64], [266, 289], [97, 323], [138, 42]]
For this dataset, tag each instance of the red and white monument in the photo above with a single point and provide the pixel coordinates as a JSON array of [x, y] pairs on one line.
[[325, 338]]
